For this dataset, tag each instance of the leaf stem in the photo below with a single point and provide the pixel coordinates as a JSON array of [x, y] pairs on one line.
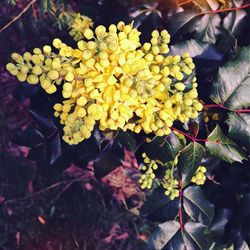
[[180, 205], [224, 107], [189, 136], [18, 16], [225, 10]]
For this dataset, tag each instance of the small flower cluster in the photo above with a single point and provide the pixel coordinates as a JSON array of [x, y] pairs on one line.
[[146, 179], [114, 81], [199, 178], [79, 25], [171, 185]]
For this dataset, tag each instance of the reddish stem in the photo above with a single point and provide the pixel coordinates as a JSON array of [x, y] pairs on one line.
[[242, 111], [225, 10], [223, 107], [185, 2], [180, 205], [189, 136]]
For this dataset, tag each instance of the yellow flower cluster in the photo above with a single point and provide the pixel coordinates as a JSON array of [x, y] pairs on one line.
[[146, 179], [199, 177], [79, 25], [170, 184], [114, 81]]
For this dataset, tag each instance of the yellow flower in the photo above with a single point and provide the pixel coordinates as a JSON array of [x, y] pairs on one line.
[[111, 79]]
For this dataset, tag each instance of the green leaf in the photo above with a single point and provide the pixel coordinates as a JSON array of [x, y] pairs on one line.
[[194, 47], [189, 160], [162, 235], [127, 140], [224, 148], [232, 86], [167, 148], [194, 236], [168, 236], [159, 207], [207, 5], [108, 160], [197, 206], [208, 30], [221, 218], [239, 128], [234, 19], [204, 27]]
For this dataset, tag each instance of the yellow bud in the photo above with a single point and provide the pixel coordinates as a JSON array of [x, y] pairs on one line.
[[27, 56], [57, 107], [57, 42], [179, 76], [193, 93], [47, 49], [146, 46], [21, 76], [53, 75], [66, 108], [32, 79], [37, 51], [86, 54], [81, 112], [88, 33], [67, 86], [179, 86], [45, 83], [51, 89], [100, 30], [198, 106], [37, 70], [69, 77], [81, 101], [56, 63]]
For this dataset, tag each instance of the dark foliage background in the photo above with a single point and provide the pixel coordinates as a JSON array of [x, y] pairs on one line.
[[53, 196]]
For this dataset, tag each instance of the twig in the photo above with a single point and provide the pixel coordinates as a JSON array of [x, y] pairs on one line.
[[189, 136], [184, 3], [224, 107], [180, 205], [18, 16], [225, 10], [43, 190]]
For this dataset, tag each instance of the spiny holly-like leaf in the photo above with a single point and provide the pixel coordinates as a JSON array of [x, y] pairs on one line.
[[232, 86], [189, 160], [194, 236], [168, 236], [179, 21], [45, 124], [30, 137], [162, 235], [234, 19], [108, 160], [204, 27], [219, 222], [87, 150], [202, 23], [53, 148], [197, 206], [167, 148], [158, 207], [126, 139], [143, 13], [224, 148], [194, 47], [239, 128]]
